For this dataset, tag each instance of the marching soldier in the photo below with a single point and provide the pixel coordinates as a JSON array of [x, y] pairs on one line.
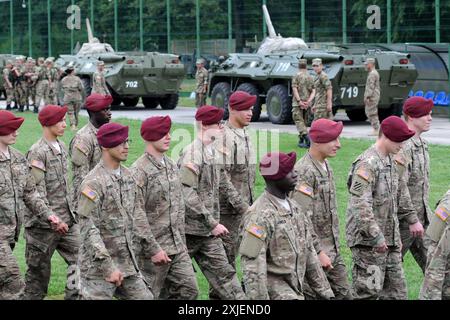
[[73, 95], [323, 102], [276, 249], [372, 229], [200, 176], [303, 93], [49, 162], [8, 83], [372, 95], [99, 82], [201, 76], [315, 194], [169, 271]]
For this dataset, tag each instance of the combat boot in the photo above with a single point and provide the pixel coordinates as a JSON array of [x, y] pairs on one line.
[[8, 107], [20, 108], [36, 109], [301, 142], [27, 107], [307, 141]]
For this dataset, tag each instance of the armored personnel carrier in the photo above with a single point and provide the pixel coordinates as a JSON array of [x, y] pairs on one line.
[[268, 73], [154, 77]]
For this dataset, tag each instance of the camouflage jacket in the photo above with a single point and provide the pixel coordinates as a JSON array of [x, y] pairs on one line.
[[321, 84], [239, 159], [17, 187], [50, 171], [111, 218], [376, 192], [85, 153], [161, 190], [6, 75], [277, 252], [99, 83], [201, 76], [372, 86], [315, 194], [73, 89], [304, 83]]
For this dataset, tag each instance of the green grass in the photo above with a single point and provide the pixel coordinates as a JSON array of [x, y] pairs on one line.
[[351, 148]]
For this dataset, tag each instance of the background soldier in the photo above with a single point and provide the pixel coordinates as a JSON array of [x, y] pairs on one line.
[[323, 102], [372, 95], [372, 225], [42, 87], [53, 84], [157, 176], [31, 77], [315, 194], [436, 284], [302, 95], [49, 162], [99, 82], [276, 250], [201, 77], [200, 176], [19, 83], [73, 95], [110, 214], [8, 83], [85, 152]]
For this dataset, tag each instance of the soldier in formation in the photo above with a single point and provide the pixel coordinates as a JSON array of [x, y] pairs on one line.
[[372, 95], [323, 102], [201, 78], [8, 81]]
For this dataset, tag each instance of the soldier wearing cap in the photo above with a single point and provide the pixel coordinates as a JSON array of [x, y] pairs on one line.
[[372, 230], [323, 101], [372, 95], [49, 165], [19, 83], [84, 150], [31, 78], [277, 253], [315, 194], [8, 81], [303, 93], [98, 80], [201, 174], [74, 95], [201, 76], [18, 188], [436, 284], [414, 161], [169, 271], [111, 215]]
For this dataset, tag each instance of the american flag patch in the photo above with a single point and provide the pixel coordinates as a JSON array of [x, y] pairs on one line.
[[38, 164], [89, 193], [304, 188], [442, 213], [363, 173], [257, 231]]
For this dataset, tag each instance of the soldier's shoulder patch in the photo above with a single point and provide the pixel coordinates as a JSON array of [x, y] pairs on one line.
[[82, 147], [256, 230], [442, 213], [363, 173], [38, 164], [193, 167], [305, 189], [89, 193]]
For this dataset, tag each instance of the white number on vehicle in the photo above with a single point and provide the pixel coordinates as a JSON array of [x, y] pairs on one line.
[[350, 92], [131, 84]]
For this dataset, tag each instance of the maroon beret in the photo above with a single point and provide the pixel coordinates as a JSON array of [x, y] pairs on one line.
[[9, 122], [395, 129], [112, 134], [209, 115], [277, 165], [51, 115], [241, 100], [324, 130], [155, 128], [98, 102], [416, 107]]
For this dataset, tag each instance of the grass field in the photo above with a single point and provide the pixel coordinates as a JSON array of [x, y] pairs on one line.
[[351, 148]]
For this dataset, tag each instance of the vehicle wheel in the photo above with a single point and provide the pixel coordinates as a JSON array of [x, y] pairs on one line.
[[169, 102], [356, 115], [220, 96], [279, 107], [150, 103], [250, 88], [394, 110], [87, 86], [130, 102], [116, 101]]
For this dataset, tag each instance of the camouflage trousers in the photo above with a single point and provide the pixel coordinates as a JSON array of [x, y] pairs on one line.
[[175, 280], [417, 246], [371, 109], [11, 282], [200, 99], [9, 95], [40, 247], [210, 255], [42, 93], [132, 288], [322, 113], [378, 275], [300, 118], [31, 93], [73, 111], [20, 93]]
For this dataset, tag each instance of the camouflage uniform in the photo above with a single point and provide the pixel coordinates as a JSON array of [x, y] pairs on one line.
[[321, 84], [16, 185], [200, 176], [20, 86], [277, 252], [376, 193], [111, 218], [50, 171], [315, 194], [99, 84], [201, 76], [372, 92], [161, 189], [9, 91], [53, 86], [42, 87], [304, 83], [436, 284], [73, 96], [31, 81]]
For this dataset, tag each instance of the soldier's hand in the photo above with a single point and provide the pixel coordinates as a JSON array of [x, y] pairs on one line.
[[220, 230], [54, 221], [325, 261], [416, 230], [381, 248], [62, 228], [329, 107], [161, 258], [115, 277]]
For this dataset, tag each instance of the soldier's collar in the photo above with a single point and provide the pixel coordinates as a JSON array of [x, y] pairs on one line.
[[4, 157], [318, 165], [56, 152], [240, 132], [157, 163], [92, 127], [276, 203]]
